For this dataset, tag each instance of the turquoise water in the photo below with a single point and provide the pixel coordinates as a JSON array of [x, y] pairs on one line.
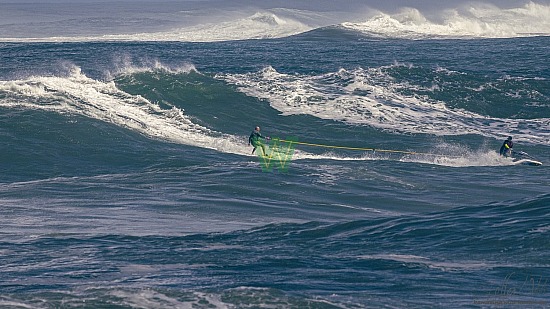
[[126, 178]]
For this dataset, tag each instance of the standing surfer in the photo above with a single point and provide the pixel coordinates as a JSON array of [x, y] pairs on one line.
[[255, 140]]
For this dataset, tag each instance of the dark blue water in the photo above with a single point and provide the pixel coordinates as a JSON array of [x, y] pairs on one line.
[[126, 178]]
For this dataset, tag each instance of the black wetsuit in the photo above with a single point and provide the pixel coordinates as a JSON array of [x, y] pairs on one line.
[[255, 141], [506, 148]]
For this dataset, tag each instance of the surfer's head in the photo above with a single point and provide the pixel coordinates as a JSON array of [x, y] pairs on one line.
[[509, 138], [257, 129]]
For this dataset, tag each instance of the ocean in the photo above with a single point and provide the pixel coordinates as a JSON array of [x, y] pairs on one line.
[[127, 180]]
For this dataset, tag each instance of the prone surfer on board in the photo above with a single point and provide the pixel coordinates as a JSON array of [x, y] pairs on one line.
[[255, 140], [506, 148]]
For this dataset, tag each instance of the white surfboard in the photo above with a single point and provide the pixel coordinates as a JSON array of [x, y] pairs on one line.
[[527, 162]]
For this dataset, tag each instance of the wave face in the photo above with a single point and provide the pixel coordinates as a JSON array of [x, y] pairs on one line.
[[126, 178], [260, 262], [476, 21]]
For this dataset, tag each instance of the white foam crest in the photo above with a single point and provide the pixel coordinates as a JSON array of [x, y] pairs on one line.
[[238, 297], [127, 65], [542, 229], [444, 266], [485, 21], [8, 303], [371, 97], [148, 298], [78, 94], [261, 25]]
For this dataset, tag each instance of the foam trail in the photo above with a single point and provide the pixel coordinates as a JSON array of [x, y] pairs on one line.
[[483, 21], [371, 97], [468, 159], [465, 158]]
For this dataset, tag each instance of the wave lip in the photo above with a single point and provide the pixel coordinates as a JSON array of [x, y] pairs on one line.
[[474, 22]]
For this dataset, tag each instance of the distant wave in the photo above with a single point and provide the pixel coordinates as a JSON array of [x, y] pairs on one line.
[[476, 21], [261, 25], [257, 26]]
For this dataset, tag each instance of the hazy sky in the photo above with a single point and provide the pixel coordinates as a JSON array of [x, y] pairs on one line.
[[302, 4]]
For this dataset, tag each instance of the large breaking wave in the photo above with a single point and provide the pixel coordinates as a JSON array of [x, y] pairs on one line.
[[261, 25], [373, 97], [475, 21]]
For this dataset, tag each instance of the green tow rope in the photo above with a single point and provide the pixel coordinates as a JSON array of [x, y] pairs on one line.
[[365, 149]]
